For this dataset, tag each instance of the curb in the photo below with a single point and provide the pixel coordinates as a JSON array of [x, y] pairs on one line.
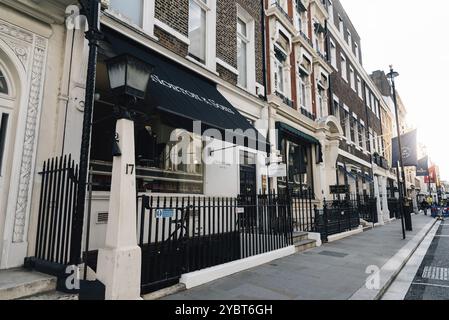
[[390, 270]]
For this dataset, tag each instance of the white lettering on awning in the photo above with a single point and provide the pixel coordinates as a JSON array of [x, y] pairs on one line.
[[178, 89]]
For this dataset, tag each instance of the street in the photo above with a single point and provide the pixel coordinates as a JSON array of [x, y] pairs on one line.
[[431, 282], [425, 276]]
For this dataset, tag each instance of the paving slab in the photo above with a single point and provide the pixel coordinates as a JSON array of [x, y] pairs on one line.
[[335, 271]]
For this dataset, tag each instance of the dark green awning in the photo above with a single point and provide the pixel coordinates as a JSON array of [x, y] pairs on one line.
[[295, 134]]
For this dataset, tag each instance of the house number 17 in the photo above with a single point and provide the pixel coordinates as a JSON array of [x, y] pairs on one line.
[[130, 168]]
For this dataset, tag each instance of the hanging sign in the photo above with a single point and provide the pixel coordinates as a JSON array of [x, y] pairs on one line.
[[277, 170], [339, 189]]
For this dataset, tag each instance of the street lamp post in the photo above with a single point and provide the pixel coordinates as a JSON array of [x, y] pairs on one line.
[[402, 190], [91, 9], [119, 262]]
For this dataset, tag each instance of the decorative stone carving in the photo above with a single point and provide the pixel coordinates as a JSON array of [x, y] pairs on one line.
[[21, 51], [15, 32], [34, 102]]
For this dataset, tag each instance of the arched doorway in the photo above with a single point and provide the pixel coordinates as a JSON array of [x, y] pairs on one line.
[[7, 116]]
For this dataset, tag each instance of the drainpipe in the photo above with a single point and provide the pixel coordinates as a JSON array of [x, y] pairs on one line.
[[265, 83]]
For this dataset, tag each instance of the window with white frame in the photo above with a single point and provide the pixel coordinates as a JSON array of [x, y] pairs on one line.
[[361, 134], [375, 142], [336, 108], [138, 13], [359, 87], [341, 25], [280, 62], [368, 139], [357, 52], [197, 29], [352, 78], [345, 123], [246, 59], [344, 68], [300, 17], [363, 137], [321, 106], [330, 10], [333, 53], [353, 129], [349, 39], [302, 90], [242, 52], [130, 10]]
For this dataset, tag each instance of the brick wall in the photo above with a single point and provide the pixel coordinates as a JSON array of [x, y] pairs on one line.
[[227, 34], [174, 13], [339, 10]]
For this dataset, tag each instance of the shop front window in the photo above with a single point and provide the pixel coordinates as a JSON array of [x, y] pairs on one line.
[[299, 167], [162, 165]]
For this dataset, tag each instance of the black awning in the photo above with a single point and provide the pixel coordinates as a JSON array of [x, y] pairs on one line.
[[185, 95]]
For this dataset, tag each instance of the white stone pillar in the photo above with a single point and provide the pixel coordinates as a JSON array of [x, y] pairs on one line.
[[119, 263], [386, 211], [378, 201]]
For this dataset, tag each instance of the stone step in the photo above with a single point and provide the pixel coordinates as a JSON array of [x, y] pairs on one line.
[[305, 245], [20, 283], [300, 236], [53, 295]]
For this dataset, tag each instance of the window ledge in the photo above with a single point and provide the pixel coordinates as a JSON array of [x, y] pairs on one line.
[[202, 65]]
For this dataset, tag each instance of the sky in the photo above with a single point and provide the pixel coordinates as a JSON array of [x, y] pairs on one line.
[[412, 36]]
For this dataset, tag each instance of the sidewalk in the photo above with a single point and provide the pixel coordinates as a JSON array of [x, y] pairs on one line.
[[335, 271]]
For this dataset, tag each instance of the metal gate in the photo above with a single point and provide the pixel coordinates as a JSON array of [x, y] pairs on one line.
[[183, 234], [55, 247]]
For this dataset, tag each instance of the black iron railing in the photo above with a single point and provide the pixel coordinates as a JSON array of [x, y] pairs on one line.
[[343, 215], [54, 242], [308, 114], [285, 100], [278, 5], [305, 37], [183, 234]]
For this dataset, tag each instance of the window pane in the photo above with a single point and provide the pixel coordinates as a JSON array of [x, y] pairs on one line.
[[241, 27], [197, 31], [3, 128], [242, 62], [130, 9], [3, 84]]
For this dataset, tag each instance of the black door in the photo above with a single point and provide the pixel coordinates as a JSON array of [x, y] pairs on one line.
[[248, 184]]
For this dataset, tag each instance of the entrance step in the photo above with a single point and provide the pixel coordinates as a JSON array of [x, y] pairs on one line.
[[304, 245], [53, 295], [20, 283], [300, 236]]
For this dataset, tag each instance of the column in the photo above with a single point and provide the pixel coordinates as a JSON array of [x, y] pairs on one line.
[[378, 200], [119, 263], [386, 211]]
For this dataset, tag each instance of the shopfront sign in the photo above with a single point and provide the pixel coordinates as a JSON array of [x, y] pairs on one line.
[[339, 189], [277, 170]]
